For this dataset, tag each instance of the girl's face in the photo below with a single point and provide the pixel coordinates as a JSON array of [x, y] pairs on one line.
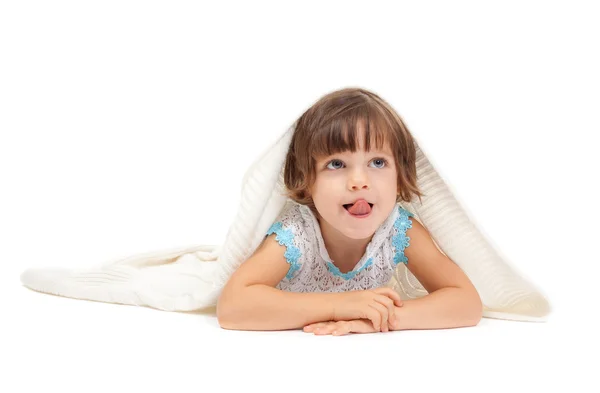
[[345, 177]]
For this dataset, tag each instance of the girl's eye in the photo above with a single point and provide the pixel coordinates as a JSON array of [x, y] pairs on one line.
[[332, 161], [380, 161], [383, 161]]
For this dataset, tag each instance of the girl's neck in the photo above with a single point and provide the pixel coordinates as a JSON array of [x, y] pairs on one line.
[[344, 252]]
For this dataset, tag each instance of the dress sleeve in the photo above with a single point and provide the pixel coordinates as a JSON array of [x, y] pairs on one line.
[[400, 240], [286, 228]]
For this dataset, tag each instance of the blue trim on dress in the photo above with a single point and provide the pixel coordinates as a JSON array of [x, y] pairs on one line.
[[347, 276], [285, 237], [400, 240]]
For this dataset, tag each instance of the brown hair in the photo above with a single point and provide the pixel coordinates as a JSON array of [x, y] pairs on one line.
[[330, 126]]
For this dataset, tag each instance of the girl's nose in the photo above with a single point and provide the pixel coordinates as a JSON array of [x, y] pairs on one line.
[[358, 182]]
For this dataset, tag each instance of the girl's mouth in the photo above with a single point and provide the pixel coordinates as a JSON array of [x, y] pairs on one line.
[[346, 206]]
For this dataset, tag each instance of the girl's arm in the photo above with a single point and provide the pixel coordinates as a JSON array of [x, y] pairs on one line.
[[261, 307], [250, 301], [445, 308], [452, 300]]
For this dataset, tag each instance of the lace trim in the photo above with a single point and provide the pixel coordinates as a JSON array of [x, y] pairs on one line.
[[347, 276], [400, 240], [285, 237]]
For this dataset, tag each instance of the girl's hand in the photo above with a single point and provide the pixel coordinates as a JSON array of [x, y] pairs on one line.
[[341, 328], [377, 305]]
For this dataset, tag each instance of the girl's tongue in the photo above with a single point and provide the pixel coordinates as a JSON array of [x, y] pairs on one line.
[[360, 207]]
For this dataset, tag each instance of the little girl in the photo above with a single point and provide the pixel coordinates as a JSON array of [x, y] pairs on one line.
[[326, 261]]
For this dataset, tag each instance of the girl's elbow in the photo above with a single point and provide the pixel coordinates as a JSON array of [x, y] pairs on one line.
[[222, 320], [224, 313], [476, 310], [475, 318], [226, 322]]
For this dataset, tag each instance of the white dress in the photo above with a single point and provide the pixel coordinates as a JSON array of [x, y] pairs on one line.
[[311, 269]]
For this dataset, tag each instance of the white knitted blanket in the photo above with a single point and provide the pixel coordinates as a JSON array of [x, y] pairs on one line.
[[190, 278]]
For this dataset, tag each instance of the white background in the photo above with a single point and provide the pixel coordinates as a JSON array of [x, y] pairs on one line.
[[126, 127]]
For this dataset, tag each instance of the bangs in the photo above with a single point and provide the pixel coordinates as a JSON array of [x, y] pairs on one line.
[[341, 133]]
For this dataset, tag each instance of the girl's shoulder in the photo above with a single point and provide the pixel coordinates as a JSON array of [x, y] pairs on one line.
[[294, 226], [290, 219], [291, 231]]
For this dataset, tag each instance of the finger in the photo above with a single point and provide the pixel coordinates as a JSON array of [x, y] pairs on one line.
[[389, 303], [327, 329], [382, 310], [313, 326], [395, 296], [361, 326], [392, 294], [342, 327], [375, 318]]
